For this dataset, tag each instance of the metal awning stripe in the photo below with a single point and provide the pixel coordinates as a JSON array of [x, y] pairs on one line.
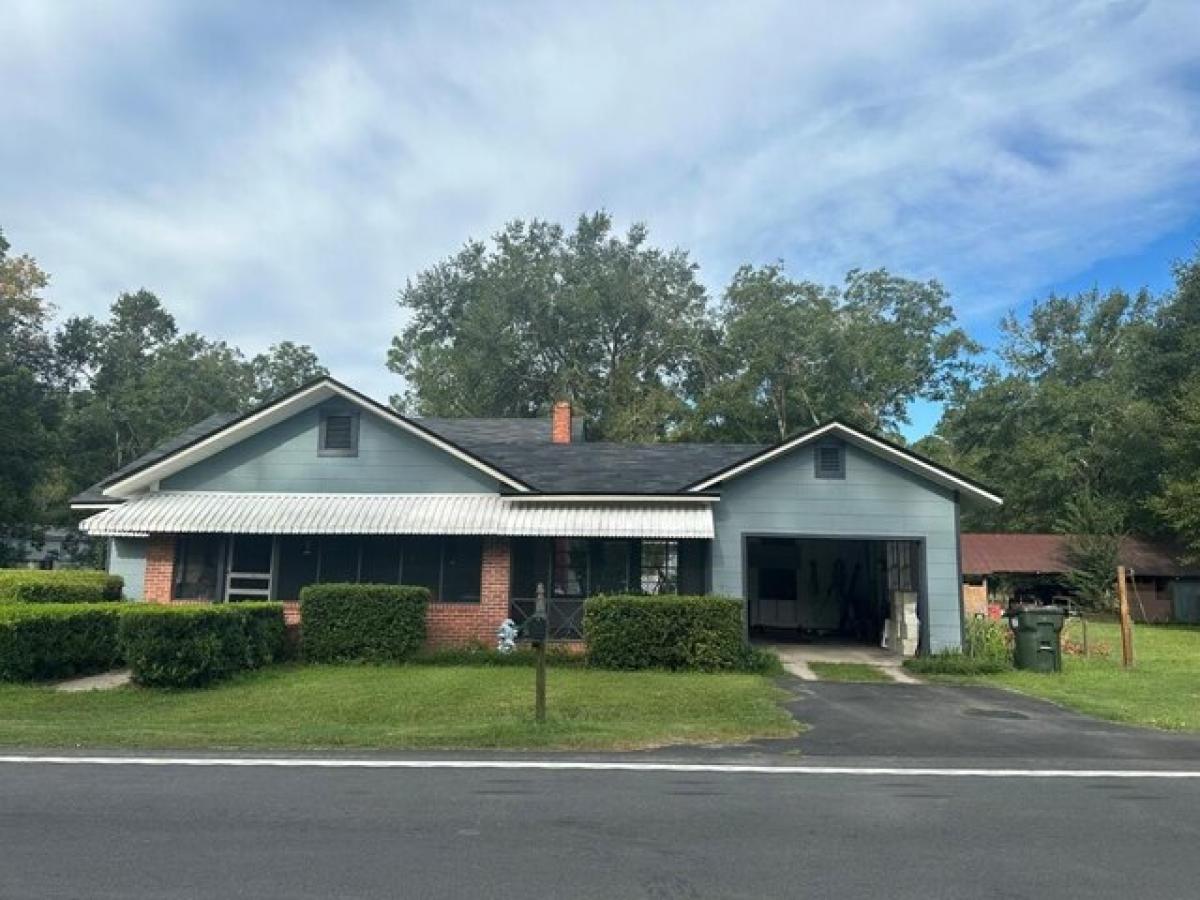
[[183, 512]]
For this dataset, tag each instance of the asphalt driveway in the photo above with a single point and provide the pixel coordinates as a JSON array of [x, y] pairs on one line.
[[961, 724]]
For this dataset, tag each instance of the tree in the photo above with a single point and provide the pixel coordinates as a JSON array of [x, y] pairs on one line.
[[1059, 413], [504, 329], [1093, 531], [285, 367], [26, 403], [1175, 377], [796, 354]]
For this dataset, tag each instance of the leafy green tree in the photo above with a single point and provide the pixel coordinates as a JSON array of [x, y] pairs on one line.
[[795, 354], [607, 321], [26, 403], [1094, 529], [284, 367], [1060, 413]]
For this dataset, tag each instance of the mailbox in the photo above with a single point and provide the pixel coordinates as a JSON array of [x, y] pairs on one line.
[[535, 628]]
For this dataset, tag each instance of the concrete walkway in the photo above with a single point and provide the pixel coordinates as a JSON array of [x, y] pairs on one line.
[[797, 659], [103, 682]]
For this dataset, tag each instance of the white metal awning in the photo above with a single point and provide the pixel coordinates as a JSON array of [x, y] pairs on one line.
[[219, 512]]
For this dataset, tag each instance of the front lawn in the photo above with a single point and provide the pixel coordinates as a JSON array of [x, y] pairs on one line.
[[413, 706], [1162, 690]]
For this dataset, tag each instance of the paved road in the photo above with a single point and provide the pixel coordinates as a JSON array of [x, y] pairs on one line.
[[137, 832]]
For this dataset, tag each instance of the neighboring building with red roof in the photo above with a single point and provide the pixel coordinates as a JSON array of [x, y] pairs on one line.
[[1032, 566]]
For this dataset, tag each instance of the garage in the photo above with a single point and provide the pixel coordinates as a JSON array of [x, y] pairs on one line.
[[828, 589]]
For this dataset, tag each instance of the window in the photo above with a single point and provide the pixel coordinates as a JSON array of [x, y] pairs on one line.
[[830, 461], [338, 434], [660, 567]]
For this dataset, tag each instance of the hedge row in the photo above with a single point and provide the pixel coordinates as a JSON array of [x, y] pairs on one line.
[[362, 622], [664, 632], [40, 641], [188, 646], [166, 646], [58, 586]]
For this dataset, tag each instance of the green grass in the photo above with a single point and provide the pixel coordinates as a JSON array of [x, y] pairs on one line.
[[830, 671], [1162, 690], [413, 706]]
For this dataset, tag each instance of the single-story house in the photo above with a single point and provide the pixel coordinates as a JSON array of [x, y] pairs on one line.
[[815, 533], [998, 568]]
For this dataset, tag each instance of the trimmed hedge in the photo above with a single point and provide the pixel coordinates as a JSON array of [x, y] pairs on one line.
[[664, 632], [361, 622], [266, 633], [59, 586], [189, 646], [39, 640]]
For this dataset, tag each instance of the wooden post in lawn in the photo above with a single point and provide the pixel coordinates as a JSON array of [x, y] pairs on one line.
[[539, 647], [1126, 625]]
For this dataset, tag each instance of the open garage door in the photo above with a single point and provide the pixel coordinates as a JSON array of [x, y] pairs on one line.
[[833, 589]]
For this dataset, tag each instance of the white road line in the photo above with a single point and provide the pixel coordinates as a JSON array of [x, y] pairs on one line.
[[586, 766]]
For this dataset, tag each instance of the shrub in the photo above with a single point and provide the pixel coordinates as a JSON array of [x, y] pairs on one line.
[[953, 662], [361, 622], [58, 586], [664, 632], [266, 634], [183, 646], [39, 640]]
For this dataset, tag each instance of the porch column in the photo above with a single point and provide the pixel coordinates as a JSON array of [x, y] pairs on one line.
[[159, 583]]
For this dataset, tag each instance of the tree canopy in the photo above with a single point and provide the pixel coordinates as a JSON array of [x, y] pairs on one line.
[[79, 400]]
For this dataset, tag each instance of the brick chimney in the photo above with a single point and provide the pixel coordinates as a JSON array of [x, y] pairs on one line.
[[560, 422]]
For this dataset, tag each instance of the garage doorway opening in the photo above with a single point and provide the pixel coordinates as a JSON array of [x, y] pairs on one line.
[[833, 590]]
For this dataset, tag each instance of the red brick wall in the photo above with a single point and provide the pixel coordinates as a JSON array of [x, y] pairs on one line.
[[160, 568], [452, 624], [449, 624]]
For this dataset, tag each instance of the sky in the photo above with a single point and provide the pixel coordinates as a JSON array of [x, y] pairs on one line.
[[278, 171]]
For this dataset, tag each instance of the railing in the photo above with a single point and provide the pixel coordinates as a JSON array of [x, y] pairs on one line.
[[564, 615]]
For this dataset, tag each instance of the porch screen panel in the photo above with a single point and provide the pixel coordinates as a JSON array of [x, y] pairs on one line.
[[462, 569], [380, 560], [198, 560], [692, 558], [339, 559], [297, 565], [422, 564], [611, 562]]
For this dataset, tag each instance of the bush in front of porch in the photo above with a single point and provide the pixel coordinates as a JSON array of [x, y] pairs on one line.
[[376, 623], [664, 631]]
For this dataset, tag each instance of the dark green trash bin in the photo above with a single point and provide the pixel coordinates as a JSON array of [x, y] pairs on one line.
[[1036, 631]]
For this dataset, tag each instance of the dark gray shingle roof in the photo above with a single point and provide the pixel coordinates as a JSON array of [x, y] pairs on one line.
[[612, 468], [522, 448], [466, 432]]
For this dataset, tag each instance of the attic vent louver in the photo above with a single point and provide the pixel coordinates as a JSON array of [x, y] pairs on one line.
[[830, 461]]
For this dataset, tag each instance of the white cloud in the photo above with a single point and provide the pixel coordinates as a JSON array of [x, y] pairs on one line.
[[279, 178]]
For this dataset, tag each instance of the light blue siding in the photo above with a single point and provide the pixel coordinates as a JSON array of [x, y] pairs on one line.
[[284, 458], [875, 500], [127, 558]]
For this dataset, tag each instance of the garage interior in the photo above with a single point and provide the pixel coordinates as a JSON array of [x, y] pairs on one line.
[[832, 590]]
